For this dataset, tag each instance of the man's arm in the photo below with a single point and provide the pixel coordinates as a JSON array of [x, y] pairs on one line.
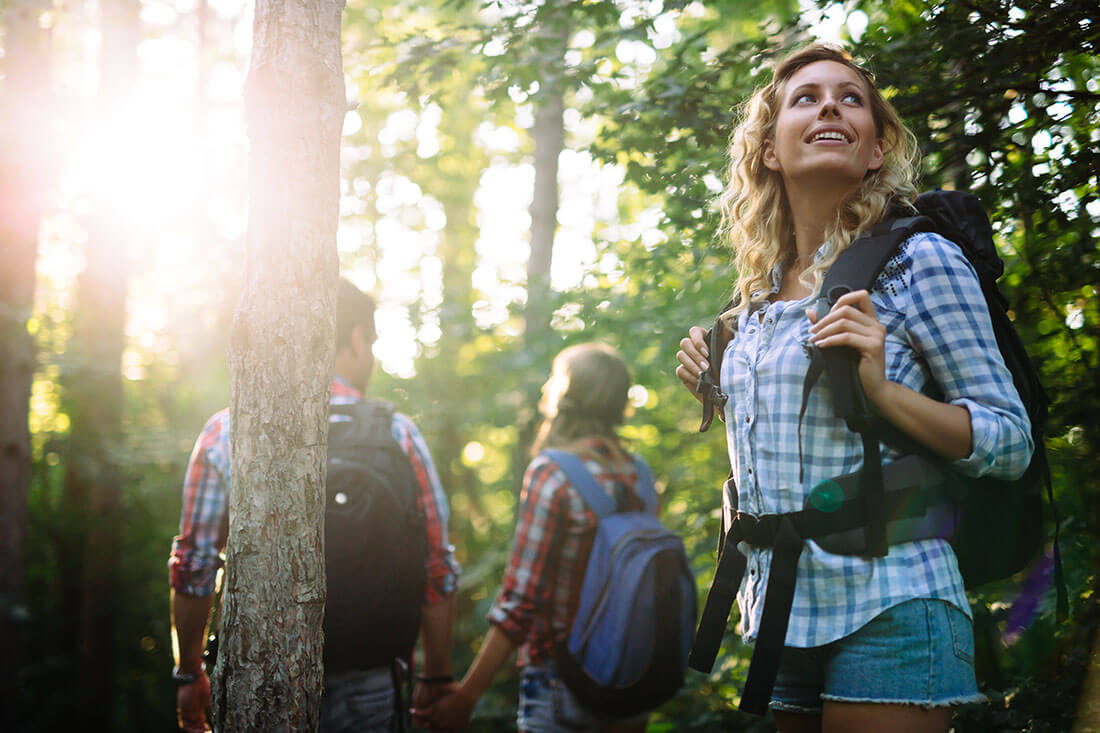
[[437, 622], [193, 566], [190, 618]]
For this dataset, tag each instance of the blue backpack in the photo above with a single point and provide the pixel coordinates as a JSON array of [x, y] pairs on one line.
[[627, 651]]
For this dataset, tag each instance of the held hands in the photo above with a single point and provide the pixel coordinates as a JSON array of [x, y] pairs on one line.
[[449, 711], [424, 697], [193, 704], [693, 356], [853, 322]]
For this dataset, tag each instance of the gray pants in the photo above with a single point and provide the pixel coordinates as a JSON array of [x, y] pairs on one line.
[[360, 700]]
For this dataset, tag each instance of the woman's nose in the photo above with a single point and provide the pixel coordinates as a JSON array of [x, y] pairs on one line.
[[829, 108]]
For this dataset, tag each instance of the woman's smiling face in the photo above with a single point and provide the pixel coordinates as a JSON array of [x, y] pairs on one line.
[[824, 128]]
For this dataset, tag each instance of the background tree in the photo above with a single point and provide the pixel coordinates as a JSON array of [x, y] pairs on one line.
[[269, 675], [93, 393], [437, 185], [24, 177]]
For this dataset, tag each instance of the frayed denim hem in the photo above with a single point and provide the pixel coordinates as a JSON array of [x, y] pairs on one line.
[[949, 702], [786, 707]]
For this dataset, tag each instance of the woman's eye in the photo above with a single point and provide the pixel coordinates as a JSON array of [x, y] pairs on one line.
[[804, 97], [853, 98]]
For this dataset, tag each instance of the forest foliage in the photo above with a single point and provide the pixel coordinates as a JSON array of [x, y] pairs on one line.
[[1003, 96]]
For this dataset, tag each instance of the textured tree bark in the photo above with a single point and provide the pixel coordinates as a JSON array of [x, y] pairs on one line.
[[23, 175], [269, 672]]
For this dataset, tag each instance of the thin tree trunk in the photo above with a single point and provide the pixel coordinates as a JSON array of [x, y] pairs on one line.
[[94, 399], [281, 353], [23, 177], [549, 134]]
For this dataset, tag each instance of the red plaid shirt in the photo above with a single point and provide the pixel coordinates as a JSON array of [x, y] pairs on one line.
[[554, 534]]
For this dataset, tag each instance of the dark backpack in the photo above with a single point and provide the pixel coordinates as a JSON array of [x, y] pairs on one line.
[[627, 650], [998, 529], [376, 544], [995, 526]]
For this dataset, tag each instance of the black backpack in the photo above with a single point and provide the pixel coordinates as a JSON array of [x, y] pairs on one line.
[[995, 526], [999, 527], [376, 544]]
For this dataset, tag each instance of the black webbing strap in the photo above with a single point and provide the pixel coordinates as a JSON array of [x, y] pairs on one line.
[[713, 396], [716, 609], [874, 495], [710, 384], [851, 404], [1062, 599], [774, 619], [785, 533]]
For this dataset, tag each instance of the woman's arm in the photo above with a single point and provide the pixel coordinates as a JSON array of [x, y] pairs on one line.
[[948, 328], [942, 427]]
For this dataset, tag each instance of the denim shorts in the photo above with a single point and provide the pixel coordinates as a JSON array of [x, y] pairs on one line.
[[359, 701], [547, 706], [920, 652]]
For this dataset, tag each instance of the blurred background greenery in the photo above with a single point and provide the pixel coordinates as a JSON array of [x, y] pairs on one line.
[[135, 181]]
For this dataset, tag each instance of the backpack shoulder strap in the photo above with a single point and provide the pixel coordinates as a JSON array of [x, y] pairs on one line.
[[710, 381], [598, 500], [857, 267], [646, 489], [375, 416]]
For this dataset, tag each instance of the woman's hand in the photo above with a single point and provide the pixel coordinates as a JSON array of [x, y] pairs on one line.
[[693, 356], [853, 322], [449, 712], [427, 695]]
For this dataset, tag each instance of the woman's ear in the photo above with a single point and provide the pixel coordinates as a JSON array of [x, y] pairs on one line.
[[767, 156], [877, 155]]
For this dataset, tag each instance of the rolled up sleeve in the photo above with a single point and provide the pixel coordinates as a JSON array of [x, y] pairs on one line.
[[949, 324], [196, 553], [442, 567], [527, 585]]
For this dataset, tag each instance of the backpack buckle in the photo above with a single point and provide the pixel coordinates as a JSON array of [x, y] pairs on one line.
[[711, 391], [758, 531]]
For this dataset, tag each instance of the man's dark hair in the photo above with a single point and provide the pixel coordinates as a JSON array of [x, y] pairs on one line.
[[353, 308]]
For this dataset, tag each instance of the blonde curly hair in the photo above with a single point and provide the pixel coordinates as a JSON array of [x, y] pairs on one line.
[[756, 216]]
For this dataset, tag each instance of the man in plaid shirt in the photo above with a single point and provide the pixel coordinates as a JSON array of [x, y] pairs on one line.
[[197, 551]]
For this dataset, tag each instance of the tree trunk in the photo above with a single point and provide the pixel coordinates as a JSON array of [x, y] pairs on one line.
[[281, 354], [551, 42], [23, 178], [93, 395], [549, 134]]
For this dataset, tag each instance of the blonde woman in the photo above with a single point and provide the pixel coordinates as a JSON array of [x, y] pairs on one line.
[[879, 643], [583, 403]]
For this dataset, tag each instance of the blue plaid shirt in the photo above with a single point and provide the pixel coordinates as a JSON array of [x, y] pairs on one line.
[[937, 331]]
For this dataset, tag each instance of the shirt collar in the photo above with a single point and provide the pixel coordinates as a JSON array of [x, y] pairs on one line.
[[775, 275], [342, 388]]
